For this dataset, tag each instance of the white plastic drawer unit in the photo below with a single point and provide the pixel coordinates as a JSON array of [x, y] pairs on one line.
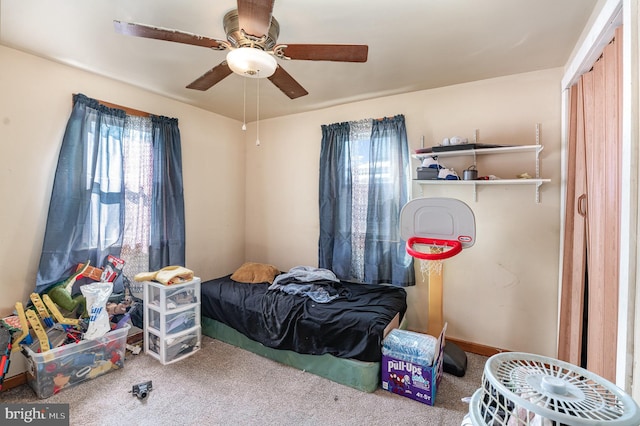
[[175, 347], [173, 323], [172, 320], [174, 296]]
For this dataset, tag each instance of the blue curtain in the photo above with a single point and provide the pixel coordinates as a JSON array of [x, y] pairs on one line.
[[86, 212], [335, 200], [386, 259], [167, 239], [86, 216]]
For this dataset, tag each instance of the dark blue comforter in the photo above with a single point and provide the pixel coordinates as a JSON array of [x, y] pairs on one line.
[[349, 326]]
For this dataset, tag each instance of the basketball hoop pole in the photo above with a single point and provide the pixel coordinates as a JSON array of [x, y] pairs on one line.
[[436, 297], [436, 254]]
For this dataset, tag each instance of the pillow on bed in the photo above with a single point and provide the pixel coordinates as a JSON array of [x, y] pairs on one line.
[[253, 273]]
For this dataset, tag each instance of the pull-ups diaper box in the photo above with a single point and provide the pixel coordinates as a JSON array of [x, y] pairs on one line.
[[412, 364]]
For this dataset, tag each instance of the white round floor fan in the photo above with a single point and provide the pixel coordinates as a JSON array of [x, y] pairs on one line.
[[525, 389]]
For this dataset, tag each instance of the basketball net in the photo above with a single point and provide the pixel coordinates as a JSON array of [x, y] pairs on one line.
[[428, 267], [439, 250]]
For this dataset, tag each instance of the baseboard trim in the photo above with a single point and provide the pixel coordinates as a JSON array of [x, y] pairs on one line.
[[14, 381], [476, 348]]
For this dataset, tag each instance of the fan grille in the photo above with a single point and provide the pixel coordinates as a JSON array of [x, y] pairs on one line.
[[526, 389]]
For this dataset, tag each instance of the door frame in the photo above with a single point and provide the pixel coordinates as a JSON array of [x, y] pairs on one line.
[[598, 33]]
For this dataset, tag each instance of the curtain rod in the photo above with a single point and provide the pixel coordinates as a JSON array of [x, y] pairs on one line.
[[128, 110], [382, 118]]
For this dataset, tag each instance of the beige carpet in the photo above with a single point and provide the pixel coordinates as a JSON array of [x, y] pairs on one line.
[[225, 385]]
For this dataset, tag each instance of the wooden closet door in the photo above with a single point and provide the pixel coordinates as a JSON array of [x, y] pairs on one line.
[[602, 149], [592, 224]]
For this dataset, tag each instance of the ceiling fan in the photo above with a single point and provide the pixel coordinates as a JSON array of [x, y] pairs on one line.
[[252, 34]]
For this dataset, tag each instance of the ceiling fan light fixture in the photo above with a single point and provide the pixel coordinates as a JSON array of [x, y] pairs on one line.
[[251, 62]]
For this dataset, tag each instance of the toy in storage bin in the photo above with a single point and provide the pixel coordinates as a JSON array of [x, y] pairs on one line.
[[172, 320], [412, 364], [53, 370]]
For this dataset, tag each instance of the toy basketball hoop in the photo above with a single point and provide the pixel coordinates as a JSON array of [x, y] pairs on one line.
[[436, 229], [441, 227]]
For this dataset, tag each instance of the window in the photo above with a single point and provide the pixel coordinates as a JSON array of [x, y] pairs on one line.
[[117, 191], [364, 182], [360, 136], [138, 178]]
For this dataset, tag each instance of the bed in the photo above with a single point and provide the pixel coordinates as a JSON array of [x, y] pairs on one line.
[[330, 328]]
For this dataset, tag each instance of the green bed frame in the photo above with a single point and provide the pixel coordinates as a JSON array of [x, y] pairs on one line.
[[361, 375]]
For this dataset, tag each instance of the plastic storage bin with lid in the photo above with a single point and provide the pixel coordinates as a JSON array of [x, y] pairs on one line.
[[53, 370]]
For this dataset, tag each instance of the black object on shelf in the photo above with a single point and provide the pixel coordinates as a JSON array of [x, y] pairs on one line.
[[464, 147]]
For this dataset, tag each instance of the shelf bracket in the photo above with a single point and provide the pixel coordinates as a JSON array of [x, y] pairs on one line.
[[538, 150], [538, 162]]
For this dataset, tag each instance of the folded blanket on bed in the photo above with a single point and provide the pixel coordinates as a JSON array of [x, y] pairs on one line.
[[320, 285], [318, 291], [305, 274]]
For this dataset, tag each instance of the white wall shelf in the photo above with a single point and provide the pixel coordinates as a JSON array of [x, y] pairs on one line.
[[483, 182], [536, 149], [475, 183], [482, 151]]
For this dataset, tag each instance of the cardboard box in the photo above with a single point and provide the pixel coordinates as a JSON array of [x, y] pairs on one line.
[[53, 370], [412, 379], [91, 272]]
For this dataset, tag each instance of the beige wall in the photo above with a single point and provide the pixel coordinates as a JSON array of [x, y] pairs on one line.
[[503, 291], [35, 102]]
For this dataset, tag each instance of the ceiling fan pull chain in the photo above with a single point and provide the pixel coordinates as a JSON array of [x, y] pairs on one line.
[[244, 103], [258, 114]]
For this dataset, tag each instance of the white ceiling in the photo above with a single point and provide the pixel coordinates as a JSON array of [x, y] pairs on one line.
[[413, 45]]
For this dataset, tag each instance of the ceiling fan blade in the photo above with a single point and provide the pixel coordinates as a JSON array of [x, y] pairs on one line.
[[147, 31], [324, 52], [211, 77], [254, 16], [287, 84]]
